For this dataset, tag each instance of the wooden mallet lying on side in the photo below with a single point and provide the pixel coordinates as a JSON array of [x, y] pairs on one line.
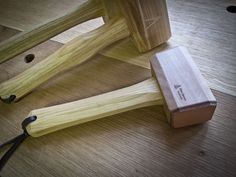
[[187, 99], [146, 21]]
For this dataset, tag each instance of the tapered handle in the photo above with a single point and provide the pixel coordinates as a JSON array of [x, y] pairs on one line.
[[27, 39], [70, 55], [58, 117]]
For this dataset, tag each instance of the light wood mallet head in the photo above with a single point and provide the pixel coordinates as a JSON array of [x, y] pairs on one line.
[[187, 98], [147, 20]]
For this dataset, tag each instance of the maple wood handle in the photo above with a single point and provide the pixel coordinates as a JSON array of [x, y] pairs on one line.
[[73, 53], [29, 38], [58, 117]]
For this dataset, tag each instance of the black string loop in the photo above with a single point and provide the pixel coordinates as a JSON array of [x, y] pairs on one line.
[[15, 142]]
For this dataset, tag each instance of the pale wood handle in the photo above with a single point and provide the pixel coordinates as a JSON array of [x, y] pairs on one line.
[[58, 117], [27, 39], [71, 54]]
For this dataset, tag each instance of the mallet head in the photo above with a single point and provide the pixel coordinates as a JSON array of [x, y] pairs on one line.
[[187, 98], [147, 20]]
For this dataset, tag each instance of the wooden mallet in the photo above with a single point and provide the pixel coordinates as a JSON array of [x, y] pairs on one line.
[[187, 98], [146, 21]]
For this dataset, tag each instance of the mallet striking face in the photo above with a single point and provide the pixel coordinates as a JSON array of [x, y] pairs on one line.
[[183, 91], [146, 21]]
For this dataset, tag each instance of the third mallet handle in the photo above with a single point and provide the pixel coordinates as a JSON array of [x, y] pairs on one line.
[[71, 54], [32, 37]]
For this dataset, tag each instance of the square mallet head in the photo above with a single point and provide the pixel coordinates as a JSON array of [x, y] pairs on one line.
[[187, 98], [147, 20]]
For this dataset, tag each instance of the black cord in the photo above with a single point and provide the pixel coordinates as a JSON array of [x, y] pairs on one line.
[[9, 100], [15, 142]]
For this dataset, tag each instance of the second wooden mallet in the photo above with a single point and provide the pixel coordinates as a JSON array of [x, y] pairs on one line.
[[146, 21]]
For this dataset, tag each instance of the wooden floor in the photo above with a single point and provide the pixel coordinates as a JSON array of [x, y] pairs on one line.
[[138, 142]]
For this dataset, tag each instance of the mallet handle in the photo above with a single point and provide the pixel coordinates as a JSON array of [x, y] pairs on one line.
[[27, 39], [73, 53], [58, 117]]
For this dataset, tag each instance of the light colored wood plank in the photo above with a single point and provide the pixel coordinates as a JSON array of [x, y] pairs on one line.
[[193, 105], [11, 68], [72, 33], [146, 23], [29, 38], [28, 14], [209, 34], [70, 55], [6, 33], [138, 142]]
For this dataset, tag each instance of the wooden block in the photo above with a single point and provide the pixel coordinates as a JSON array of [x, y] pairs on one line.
[[148, 22], [188, 99]]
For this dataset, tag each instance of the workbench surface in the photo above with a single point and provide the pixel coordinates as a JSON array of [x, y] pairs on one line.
[[134, 143]]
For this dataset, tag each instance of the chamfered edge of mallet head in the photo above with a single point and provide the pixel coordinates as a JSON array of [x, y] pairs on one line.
[[187, 98], [148, 21]]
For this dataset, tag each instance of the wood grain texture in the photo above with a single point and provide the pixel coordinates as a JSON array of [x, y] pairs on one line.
[[29, 38], [58, 117], [35, 13], [135, 143], [148, 25], [73, 53], [204, 27], [148, 21], [207, 30], [193, 105], [188, 98], [6, 33], [175, 69]]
